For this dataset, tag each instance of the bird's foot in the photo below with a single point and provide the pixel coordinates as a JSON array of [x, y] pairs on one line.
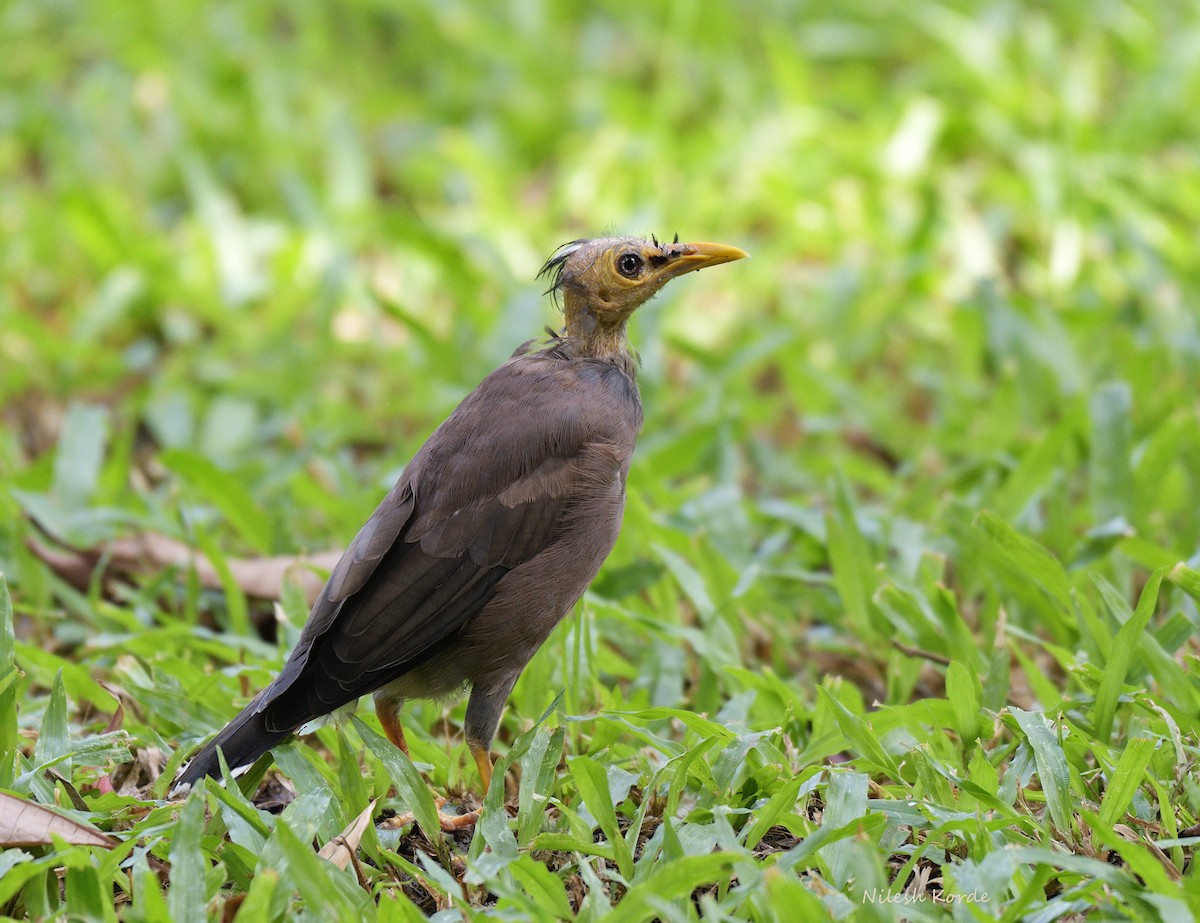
[[452, 822], [449, 822]]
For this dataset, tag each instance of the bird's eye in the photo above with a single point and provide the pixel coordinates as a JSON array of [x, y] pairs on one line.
[[630, 265]]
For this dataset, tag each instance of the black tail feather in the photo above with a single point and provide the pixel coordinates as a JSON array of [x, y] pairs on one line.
[[243, 740]]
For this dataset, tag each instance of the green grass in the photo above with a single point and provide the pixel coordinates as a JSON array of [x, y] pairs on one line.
[[905, 605]]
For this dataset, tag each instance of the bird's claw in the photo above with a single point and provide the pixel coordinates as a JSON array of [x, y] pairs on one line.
[[452, 822], [448, 822]]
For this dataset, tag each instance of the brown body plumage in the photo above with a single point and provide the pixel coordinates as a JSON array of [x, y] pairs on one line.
[[493, 531]]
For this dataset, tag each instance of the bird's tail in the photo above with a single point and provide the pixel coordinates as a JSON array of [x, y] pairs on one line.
[[244, 740]]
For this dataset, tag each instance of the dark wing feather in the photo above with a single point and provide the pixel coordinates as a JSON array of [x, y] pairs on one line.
[[486, 493]]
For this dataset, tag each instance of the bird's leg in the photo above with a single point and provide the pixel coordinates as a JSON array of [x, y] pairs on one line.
[[483, 759], [483, 717], [387, 710]]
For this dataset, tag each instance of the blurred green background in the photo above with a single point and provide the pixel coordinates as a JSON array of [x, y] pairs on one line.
[[252, 253], [274, 233], [288, 237]]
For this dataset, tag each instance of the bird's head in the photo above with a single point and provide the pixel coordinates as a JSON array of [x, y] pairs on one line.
[[603, 281]]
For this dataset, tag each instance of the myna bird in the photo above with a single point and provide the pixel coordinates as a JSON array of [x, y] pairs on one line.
[[493, 531]]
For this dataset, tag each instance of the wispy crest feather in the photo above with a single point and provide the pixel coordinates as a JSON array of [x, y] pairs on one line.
[[553, 267]]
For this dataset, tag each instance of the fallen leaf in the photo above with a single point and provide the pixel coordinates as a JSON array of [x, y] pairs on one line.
[[259, 578], [342, 847], [26, 823]]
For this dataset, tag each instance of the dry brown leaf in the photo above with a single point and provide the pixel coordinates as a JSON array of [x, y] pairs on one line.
[[259, 578], [26, 823], [342, 847]]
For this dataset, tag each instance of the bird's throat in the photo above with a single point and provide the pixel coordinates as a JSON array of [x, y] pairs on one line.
[[595, 336]]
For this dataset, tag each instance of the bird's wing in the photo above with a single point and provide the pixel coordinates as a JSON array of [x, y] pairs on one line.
[[486, 493]]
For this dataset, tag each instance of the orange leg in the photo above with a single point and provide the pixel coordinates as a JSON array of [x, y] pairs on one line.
[[388, 712], [483, 760], [389, 716]]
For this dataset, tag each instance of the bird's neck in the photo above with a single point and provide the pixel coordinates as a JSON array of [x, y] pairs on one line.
[[595, 337]]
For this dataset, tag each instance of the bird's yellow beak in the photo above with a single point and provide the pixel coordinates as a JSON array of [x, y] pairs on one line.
[[693, 256]]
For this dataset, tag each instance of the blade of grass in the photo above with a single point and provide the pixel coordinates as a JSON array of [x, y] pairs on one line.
[[1109, 458], [853, 567], [260, 896], [225, 492], [410, 787], [1052, 769], [80, 455], [845, 803], [668, 883], [544, 887], [1029, 559], [592, 783], [10, 686], [326, 889], [53, 741], [779, 804], [963, 689], [1125, 779], [188, 866], [539, 769], [1124, 646], [86, 898], [859, 734], [1186, 579], [236, 608]]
